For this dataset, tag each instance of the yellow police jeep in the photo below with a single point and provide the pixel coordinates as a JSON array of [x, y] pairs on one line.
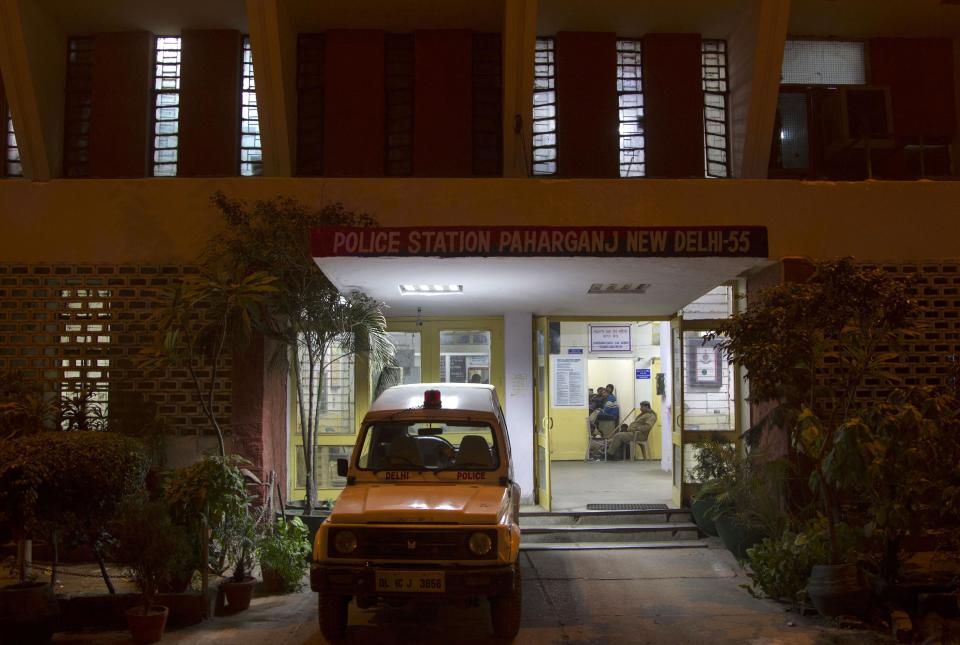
[[429, 512]]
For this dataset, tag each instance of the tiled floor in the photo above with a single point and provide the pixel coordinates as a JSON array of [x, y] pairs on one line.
[[578, 483]]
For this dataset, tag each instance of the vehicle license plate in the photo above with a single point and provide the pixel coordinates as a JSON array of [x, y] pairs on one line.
[[411, 581]]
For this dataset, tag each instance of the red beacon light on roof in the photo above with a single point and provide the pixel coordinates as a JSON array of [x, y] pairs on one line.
[[431, 399]]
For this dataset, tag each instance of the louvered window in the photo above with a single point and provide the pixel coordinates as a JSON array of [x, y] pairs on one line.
[[13, 167], [399, 93], [544, 108], [166, 115], [76, 126], [713, 57], [251, 154], [630, 100]]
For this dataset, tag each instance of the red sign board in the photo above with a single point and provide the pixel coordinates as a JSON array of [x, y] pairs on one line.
[[542, 241]]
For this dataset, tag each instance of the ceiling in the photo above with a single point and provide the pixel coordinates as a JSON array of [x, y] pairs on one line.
[[543, 285]]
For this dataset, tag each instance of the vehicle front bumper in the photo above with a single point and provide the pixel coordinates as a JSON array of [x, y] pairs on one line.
[[460, 582]]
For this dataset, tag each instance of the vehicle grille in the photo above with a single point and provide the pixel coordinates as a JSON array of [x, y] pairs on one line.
[[415, 544]]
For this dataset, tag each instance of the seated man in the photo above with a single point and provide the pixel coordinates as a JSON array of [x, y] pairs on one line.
[[610, 411], [639, 430], [596, 405]]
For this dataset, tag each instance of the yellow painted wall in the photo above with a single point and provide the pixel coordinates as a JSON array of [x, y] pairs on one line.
[[160, 220]]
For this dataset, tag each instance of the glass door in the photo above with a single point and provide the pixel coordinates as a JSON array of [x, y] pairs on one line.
[[543, 422]]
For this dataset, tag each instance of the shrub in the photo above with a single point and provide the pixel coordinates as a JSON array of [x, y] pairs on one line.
[[284, 550], [71, 482], [781, 566], [148, 544]]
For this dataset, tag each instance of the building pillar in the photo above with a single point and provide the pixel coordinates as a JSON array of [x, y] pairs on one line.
[[517, 398], [259, 403]]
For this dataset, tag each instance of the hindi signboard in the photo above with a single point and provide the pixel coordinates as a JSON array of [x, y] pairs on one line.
[[610, 338]]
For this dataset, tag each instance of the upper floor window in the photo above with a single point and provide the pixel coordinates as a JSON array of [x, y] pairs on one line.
[[713, 61], [166, 115], [823, 62], [251, 154], [544, 108], [630, 103], [13, 166]]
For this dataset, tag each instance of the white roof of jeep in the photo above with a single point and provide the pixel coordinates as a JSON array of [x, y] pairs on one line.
[[453, 396]]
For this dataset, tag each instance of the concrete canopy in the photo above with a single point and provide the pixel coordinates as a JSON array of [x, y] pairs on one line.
[[541, 285]]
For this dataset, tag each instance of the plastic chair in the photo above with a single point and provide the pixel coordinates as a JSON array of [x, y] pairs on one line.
[[595, 442], [643, 444]]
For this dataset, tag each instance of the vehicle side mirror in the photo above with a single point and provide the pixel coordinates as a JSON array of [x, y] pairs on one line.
[[342, 467]]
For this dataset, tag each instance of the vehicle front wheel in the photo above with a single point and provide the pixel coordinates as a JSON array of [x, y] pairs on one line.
[[333, 615], [505, 610]]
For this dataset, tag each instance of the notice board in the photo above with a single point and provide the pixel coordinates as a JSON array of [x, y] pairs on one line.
[[568, 381]]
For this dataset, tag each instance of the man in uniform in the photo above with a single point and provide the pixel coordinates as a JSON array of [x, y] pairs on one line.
[[639, 430]]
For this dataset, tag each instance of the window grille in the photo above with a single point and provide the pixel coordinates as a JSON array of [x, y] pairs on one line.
[[713, 61], [251, 154], [630, 99], [13, 166], [76, 127], [166, 121], [85, 337], [823, 62], [337, 409], [544, 108], [399, 86]]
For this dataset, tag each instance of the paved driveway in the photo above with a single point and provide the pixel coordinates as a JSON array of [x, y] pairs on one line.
[[570, 597]]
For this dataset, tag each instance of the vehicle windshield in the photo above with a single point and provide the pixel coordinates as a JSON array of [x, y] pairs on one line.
[[429, 445]]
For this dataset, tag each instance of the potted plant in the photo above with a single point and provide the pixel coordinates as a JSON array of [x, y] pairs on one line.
[[714, 462], [240, 542], [148, 545], [283, 551], [809, 349], [203, 497]]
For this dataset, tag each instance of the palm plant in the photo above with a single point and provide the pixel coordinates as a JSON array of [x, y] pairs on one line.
[[200, 315], [314, 324]]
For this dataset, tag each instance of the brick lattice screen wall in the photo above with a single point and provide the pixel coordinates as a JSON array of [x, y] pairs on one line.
[[62, 325]]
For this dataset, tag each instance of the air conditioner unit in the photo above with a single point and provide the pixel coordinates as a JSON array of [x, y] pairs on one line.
[[856, 117]]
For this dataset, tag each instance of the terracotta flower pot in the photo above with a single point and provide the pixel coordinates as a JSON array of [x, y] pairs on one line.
[[147, 626], [837, 590], [28, 612], [238, 594]]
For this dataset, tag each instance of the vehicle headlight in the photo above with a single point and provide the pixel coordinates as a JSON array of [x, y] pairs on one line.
[[480, 543], [345, 542]]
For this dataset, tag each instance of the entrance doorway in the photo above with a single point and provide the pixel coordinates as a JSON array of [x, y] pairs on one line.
[[694, 392]]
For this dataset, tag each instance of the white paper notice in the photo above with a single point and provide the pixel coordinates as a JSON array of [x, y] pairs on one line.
[[569, 388]]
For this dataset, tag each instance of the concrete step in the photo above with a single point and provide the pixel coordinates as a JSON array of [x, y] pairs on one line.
[[647, 532], [610, 546], [574, 518]]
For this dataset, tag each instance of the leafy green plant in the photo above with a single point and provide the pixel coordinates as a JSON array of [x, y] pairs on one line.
[[148, 543], [751, 491], [283, 550], [313, 323], [902, 454], [210, 494], [239, 537], [780, 566], [23, 408], [809, 348], [715, 460]]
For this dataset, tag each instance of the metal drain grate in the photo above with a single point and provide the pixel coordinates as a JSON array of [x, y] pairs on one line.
[[627, 507]]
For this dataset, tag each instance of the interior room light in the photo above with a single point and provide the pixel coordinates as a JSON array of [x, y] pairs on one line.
[[430, 289]]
